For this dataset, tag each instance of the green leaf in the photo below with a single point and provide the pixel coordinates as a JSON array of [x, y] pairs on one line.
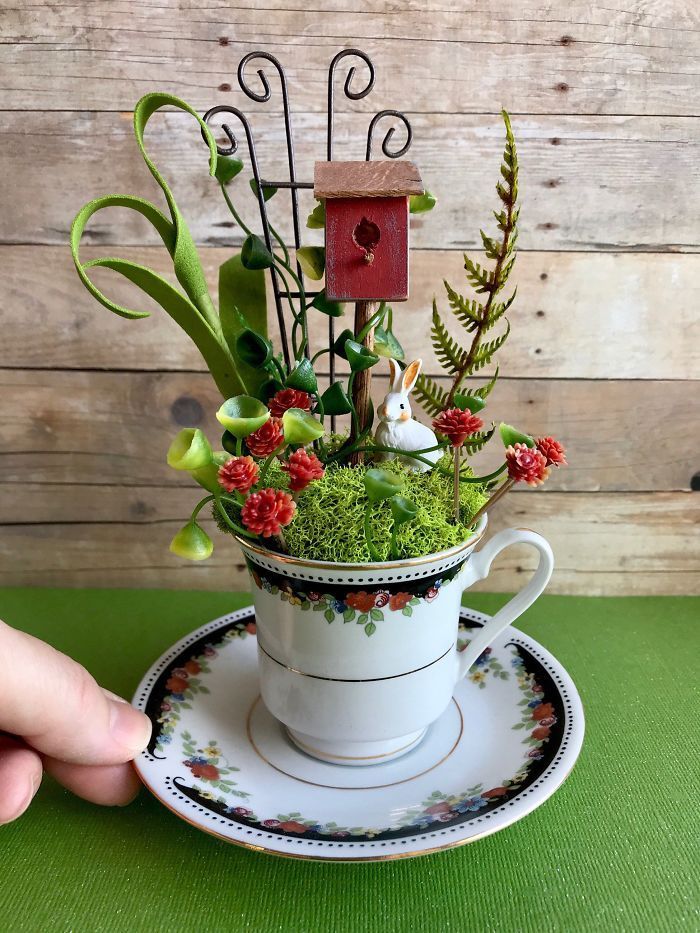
[[268, 191], [312, 260], [358, 356], [329, 615], [242, 415], [300, 427], [242, 305], [302, 377], [370, 628], [407, 611], [253, 349], [362, 618], [348, 615], [430, 395], [341, 340], [335, 400], [255, 255], [447, 350], [331, 308], [381, 484], [510, 436], [192, 542], [402, 510], [421, 203], [386, 344], [317, 218], [472, 402], [376, 614], [227, 167], [190, 450]]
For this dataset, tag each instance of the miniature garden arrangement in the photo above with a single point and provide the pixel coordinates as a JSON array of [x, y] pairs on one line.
[[359, 524]]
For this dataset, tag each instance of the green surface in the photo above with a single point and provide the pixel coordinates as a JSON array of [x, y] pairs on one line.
[[614, 849]]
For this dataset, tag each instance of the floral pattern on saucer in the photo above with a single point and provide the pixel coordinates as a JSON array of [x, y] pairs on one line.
[[206, 763]]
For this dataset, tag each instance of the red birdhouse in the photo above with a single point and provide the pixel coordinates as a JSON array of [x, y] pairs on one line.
[[366, 227]]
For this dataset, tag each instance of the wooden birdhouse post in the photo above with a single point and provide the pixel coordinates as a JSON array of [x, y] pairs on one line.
[[366, 242]]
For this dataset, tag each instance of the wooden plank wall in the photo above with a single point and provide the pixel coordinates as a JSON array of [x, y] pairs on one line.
[[605, 344]]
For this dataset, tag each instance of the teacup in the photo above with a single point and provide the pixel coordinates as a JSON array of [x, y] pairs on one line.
[[358, 660]]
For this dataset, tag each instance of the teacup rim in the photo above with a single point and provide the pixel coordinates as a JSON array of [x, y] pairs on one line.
[[436, 557]]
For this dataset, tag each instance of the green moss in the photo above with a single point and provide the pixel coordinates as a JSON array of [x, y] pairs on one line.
[[328, 524]]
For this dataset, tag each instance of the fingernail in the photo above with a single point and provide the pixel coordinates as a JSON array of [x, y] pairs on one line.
[[33, 788], [129, 728]]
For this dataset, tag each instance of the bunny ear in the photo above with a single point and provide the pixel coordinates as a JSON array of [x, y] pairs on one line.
[[410, 375], [396, 374]]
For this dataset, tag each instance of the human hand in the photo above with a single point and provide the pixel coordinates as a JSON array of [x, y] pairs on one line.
[[62, 722]]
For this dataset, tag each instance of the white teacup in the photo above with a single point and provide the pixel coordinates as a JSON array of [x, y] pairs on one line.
[[358, 660]]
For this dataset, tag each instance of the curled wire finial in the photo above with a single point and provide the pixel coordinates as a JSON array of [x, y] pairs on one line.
[[347, 88], [266, 94], [389, 134], [225, 108]]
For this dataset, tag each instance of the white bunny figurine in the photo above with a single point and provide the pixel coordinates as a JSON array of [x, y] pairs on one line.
[[397, 428]]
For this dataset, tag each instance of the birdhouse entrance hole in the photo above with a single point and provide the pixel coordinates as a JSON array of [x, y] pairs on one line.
[[366, 236]]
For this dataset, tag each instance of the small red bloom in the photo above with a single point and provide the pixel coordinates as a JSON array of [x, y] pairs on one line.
[[495, 792], [176, 685], [251, 628], [437, 808], [456, 425], [541, 732], [302, 467], [399, 601], [542, 711], [192, 667], [207, 772], [362, 601], [267, 439], [288, 398], [553, 451], [526, 464], [267, 511], [292, 826], [239, 473]]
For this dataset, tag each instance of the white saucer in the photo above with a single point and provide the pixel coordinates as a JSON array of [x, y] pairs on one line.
[[221, 762]]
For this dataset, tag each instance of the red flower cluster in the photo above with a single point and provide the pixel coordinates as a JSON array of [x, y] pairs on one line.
[[553, 451], [456, 425], [526, 464], [238, 473], [302, 468], [288, 398], [267, 439], [267, 511]]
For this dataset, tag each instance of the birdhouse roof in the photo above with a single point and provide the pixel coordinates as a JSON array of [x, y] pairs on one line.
[[383, 179]]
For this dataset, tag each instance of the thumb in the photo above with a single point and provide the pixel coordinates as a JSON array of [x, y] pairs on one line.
[[58, 708]]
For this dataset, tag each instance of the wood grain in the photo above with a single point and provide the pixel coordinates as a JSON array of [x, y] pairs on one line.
[[604, 545], [577, 315], [376, 179], [586, 183], [616, 58], [115, 428]]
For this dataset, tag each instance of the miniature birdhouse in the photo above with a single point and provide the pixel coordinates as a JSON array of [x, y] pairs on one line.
[[366, 227]]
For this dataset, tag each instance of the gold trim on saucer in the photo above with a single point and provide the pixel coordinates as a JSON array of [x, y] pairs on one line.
[[337, 787]]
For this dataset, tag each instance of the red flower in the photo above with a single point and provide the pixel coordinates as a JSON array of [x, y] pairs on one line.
[[542, 711], [302, 468], [553, 451], [541, 732], [267, 439], [399, 601], [239, 473], [362, 601], [495, 792], [192, 667], [267, 511], [292, 826], [442, 807], [207, 772], [288, 398], [456, 425], [526, 464], [251, 628], [176, 685]]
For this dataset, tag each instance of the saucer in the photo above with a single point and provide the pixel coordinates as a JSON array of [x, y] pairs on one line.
[[221, 762]]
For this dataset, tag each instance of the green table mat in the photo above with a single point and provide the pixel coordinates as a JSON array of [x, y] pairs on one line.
[[615, 849]]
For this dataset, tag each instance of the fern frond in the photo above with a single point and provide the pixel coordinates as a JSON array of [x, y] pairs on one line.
[[491, 247], [447, 350], [487, 350], [479, 440], [430, 396], [484, 391], [479, 278], [466, 310], [498, 310]]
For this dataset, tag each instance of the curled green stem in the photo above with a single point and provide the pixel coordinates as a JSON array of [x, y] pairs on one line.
[[373, 552]]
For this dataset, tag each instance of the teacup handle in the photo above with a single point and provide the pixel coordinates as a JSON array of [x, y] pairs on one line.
[[478, 567]]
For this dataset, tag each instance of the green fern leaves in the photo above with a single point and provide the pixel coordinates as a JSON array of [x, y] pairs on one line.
[[480, 314]]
